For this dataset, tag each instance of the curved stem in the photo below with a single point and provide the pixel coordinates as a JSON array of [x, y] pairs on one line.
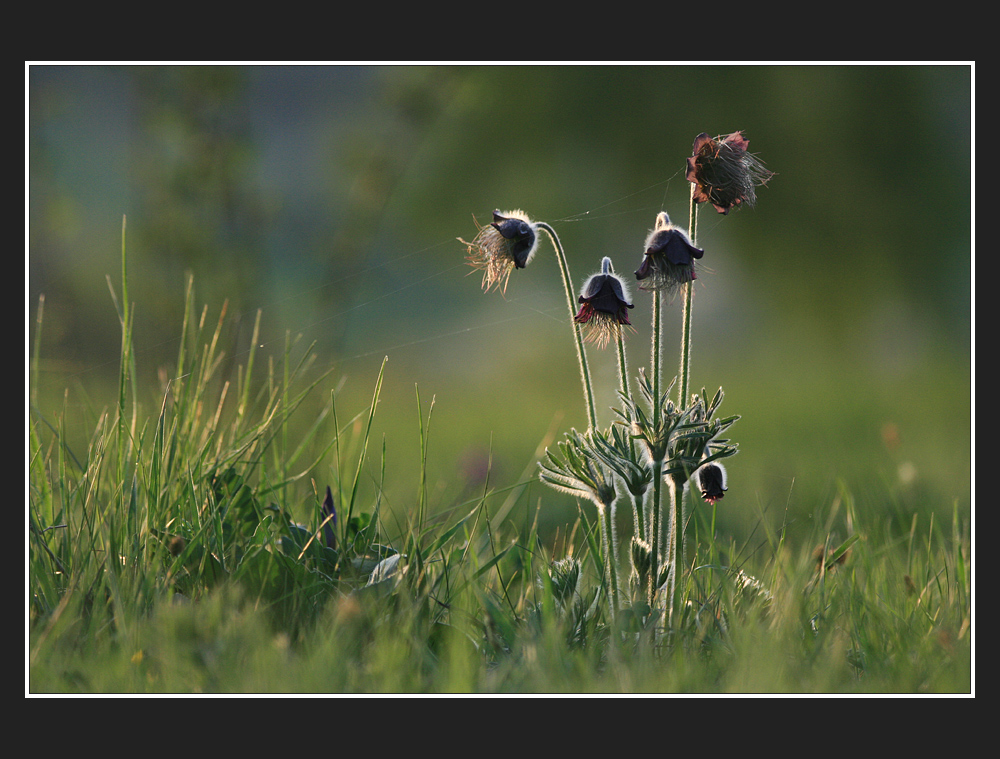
[[581, 353]]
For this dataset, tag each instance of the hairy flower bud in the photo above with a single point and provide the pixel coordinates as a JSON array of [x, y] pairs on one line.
[[508, 243], [605, 305], [711, 481], [668, 260]]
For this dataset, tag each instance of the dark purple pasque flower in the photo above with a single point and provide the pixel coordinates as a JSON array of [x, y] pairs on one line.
[[723, 172], [508, 243], [668, 260], [711, 480], [605, 305]]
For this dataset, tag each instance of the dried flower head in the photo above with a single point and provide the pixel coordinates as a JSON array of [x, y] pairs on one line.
[[711, 481], [605, 304], [724, 173], [668, 260], [508, 243]]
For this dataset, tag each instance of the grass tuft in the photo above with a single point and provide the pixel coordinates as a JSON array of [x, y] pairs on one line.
[[186, 550]]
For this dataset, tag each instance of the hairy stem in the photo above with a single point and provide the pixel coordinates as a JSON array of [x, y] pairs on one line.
[[683, 374], [622, 366], [653, 532], [652, 516], [581, 353], [676, 547], [637, 520], [654, 359], [610, 545], [675, 550]]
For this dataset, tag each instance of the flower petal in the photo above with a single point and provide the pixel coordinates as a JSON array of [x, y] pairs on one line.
[[677, 249], [700, 142], [737, 142]]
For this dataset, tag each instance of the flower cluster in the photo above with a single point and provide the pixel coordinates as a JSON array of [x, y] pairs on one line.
[[657, 450]]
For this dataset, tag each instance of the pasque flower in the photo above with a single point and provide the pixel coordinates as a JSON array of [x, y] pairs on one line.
[[668, 260], [723, 172], [711, 481], [605, 305], [508, 243]]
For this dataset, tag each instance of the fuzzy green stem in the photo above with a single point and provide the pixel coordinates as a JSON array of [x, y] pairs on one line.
[[623, 366], [683, 374], [675, 551], [612, 511], [685, 368], [676, 548], [653, 503], [640, 527], [581, 353], [653, 532], [609, 544], [654, 359]]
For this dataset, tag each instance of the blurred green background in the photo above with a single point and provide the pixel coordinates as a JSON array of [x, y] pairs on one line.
[[836, 314]]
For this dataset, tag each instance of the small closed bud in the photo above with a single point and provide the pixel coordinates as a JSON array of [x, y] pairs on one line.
[[565, 576], [641, 560]]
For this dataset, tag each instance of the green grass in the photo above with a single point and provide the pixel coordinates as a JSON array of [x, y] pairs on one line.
[[182, 550]]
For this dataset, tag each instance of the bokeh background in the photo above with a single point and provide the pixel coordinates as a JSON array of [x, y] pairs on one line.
[[836, 314]]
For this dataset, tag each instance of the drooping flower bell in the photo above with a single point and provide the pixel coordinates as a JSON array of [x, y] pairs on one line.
[[711, 481], [668, 260], [508, 243], [724, 173], [605, 304]]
